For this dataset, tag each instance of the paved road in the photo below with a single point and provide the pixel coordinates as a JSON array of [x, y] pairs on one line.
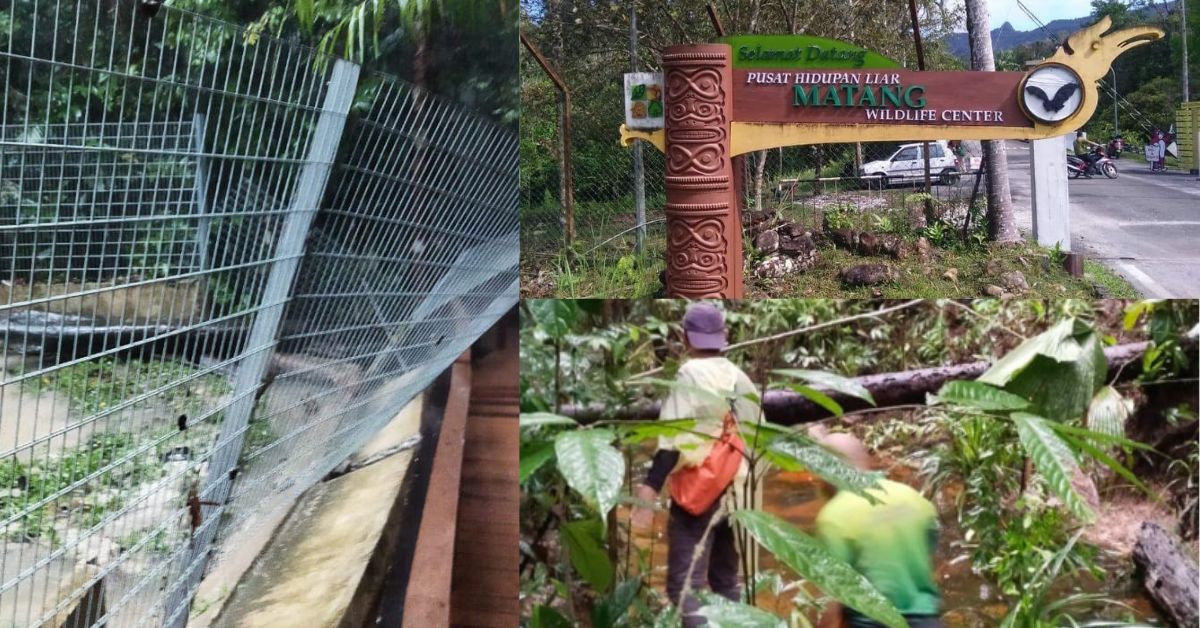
[[1145, 227]]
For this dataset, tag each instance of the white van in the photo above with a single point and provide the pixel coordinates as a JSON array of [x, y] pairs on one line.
[[907, 164]]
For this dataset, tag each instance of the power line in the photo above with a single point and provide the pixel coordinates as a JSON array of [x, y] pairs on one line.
[[1119, 101]]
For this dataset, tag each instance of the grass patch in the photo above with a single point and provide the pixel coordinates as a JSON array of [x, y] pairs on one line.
[[917, 279], [96, 385], [25, 484]]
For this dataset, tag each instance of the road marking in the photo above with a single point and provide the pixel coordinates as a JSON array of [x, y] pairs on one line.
[[1154, 289], [1160, 223]]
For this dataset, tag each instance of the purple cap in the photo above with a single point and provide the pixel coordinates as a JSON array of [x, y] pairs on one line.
[[704, 325]]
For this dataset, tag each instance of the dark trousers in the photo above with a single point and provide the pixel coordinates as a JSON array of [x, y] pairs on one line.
[[914, 621], [716, 567]]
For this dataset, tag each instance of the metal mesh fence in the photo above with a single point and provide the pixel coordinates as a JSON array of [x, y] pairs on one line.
[[799, 184], [215, 284]]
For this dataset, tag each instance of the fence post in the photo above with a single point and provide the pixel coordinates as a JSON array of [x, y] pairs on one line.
[[639, 173], [259, 345], [202, 225]]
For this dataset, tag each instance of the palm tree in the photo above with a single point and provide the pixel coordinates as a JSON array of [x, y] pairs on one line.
[[1002, 225]]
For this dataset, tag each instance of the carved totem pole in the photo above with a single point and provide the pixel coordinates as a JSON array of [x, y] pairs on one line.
[[704, 244]]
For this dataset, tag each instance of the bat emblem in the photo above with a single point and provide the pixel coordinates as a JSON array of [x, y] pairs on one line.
[[1061, 96]]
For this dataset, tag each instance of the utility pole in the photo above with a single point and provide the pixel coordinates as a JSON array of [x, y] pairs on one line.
[[639, 174], [1183, 35], [1116, 123]]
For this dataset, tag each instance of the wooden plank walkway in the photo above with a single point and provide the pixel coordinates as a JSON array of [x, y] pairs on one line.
[[484, 587]]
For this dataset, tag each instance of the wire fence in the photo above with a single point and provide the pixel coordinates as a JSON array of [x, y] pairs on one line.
[[799, 184], [225, 261]]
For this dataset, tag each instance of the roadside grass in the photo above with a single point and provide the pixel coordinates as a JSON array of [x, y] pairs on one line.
[[609, 273], [914, 278]]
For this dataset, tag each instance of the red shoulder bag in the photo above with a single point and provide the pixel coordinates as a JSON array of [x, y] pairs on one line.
[[695, 489]]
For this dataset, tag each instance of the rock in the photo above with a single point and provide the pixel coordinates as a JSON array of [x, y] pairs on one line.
[[893, 247], [844, 238], [767, 242], [866, 275], [951, 275], [868, 244], [777, 266], [994, 291], [1014, 281], [1100, 291], [792, 230], [799, 247], [922, 249]]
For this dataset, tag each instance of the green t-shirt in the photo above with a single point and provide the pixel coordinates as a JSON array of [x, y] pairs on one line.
[[1081, 146], [890, 542]]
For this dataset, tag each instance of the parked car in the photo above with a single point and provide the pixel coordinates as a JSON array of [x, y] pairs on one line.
[[908, 164]]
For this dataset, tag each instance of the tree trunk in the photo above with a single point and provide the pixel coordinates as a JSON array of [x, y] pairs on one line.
[[888, 390], [1169, 575], [1002, 226], [760, 169]]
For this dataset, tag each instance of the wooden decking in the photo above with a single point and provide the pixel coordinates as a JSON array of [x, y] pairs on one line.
[[484, 586]]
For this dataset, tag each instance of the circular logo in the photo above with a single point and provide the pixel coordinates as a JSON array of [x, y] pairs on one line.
[[1051, 93]]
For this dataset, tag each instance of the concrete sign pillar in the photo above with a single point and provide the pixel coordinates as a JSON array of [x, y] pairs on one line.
[[704, 233], [1048, 182]]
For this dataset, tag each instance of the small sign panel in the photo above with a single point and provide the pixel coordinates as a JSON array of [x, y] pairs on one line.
[[752, 52], [1051, 93], [644, 107]]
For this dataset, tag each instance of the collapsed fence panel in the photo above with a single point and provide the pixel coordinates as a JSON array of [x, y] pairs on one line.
[[215, 284]]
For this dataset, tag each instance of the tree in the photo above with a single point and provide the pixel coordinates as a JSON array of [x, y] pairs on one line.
[[1002, 225]]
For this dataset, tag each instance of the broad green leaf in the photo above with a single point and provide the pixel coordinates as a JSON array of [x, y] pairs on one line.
[[555, 316], [537, 419], [978, 395], [1108, 412], [591, 466], [831, 381], [1057, 343], [1056, 371], [1135, 311], [546, 617], [638, 431], [817, 397], [809, 559], [1054, 459], [738, 615], [533, 456], [584, 541], [795, 454], [611, 610]]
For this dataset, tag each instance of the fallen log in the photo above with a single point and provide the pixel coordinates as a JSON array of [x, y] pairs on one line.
[[888, 389], [1169, 575]]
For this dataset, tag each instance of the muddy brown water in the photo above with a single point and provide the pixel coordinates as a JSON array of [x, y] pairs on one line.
[[968, 599]]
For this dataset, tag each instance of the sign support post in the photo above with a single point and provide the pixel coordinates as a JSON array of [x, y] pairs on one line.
[[1048, 190], [704, 235]]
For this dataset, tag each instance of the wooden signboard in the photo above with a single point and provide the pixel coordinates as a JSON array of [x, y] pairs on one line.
[[751, 93]]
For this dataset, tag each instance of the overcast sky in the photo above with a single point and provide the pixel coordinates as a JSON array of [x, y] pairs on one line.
[[1002, 11]]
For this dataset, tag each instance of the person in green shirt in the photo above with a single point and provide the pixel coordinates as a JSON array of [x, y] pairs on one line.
[[890, 542]]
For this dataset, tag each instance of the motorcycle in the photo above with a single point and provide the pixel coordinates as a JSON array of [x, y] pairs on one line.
[[1115, 146], [1098, 164]]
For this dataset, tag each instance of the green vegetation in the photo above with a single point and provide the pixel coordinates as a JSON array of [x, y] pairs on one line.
[[97, 385], [1022, 459], [94, 480]]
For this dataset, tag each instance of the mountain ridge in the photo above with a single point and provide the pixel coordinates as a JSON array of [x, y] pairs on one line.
[[1006, 37]]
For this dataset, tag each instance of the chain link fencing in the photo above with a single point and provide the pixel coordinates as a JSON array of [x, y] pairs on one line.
[[800, 184], [225, 261]]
